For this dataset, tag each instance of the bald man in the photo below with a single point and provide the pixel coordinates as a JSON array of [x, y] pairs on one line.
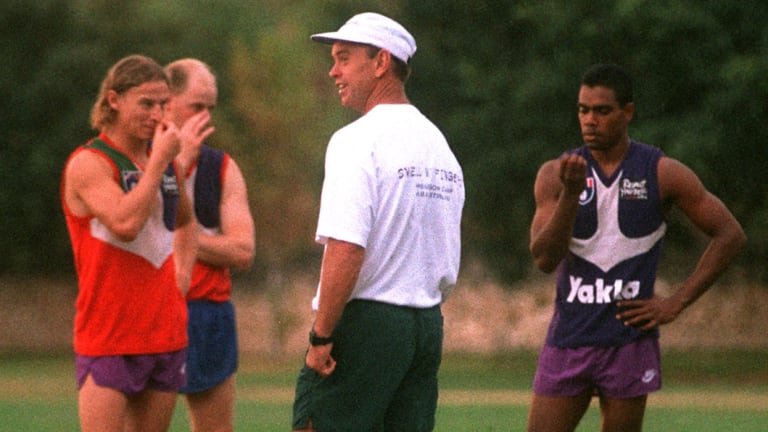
[[225, 242]]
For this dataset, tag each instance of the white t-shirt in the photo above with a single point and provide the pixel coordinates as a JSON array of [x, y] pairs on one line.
[[393, 186]]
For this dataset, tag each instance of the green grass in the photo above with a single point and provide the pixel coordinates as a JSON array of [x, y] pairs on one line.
[[703, 391]]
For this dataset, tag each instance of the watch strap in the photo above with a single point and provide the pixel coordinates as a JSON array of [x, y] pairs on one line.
[[316, 340]]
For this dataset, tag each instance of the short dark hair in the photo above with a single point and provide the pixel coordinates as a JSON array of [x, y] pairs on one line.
[[613, 77]]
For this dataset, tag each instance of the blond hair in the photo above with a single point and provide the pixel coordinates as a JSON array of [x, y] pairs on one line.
[[129, 72]]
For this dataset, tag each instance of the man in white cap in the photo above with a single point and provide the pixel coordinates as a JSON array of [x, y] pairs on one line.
[[390, 217]]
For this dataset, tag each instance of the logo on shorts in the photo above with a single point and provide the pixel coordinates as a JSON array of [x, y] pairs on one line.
[[649, 375]]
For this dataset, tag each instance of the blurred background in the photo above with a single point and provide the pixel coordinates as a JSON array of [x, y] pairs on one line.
[[500, 78]]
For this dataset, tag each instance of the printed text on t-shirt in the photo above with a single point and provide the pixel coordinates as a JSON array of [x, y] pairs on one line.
[[436, 183]]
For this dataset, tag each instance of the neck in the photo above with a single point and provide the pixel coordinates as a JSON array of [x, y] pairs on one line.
[[389, 91], [608, 159], [135, 148]]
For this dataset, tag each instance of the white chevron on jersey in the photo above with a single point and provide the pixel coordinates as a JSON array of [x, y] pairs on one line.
[[608, 246], [154, 242]]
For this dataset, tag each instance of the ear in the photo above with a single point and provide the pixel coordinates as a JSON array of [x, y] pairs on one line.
[[113, 99], [168, 105], [383, 62], [629, 110]]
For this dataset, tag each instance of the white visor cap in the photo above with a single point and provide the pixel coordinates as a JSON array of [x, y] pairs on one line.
[[373, 29]]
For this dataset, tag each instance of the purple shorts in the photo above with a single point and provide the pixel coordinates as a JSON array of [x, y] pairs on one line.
[[131, 374], [615, 372]]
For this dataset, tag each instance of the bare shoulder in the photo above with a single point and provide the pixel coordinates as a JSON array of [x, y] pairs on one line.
[[85, 171], [549, 171], [234, 199], [233, 176], [677, 180], [549, 167], [85, 167], [680, 186], [233, 167], [548, 182]]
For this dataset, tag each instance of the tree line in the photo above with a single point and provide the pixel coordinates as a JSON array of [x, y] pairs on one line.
[[500, 78]]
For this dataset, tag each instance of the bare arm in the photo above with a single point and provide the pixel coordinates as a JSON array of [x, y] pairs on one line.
[[90, 188], [234, 246], [556, 192], [341, 266], [681, 187]]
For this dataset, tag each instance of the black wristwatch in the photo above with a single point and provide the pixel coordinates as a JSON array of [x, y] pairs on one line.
[[316, 340]]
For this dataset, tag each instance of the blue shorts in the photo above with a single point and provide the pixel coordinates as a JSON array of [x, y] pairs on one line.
[[132, 374], [615, 372], [387, 359], [212, 352]]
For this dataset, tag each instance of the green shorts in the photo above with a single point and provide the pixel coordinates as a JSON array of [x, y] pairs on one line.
[[387, 359]]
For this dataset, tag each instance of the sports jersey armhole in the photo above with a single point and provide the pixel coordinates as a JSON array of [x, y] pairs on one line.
[[115, 174], [224, 166], [110, 161]]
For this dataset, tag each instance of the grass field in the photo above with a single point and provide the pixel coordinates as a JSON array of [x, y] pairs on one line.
[[703, 391]]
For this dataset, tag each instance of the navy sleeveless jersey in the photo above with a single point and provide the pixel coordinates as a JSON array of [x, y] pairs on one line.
[[613, 253], [207, 189]]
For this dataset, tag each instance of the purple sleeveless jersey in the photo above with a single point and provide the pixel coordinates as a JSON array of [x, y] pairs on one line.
[[613, 254]]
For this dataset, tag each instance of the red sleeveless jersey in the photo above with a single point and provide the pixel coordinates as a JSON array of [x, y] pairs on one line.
[[128, 302]]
